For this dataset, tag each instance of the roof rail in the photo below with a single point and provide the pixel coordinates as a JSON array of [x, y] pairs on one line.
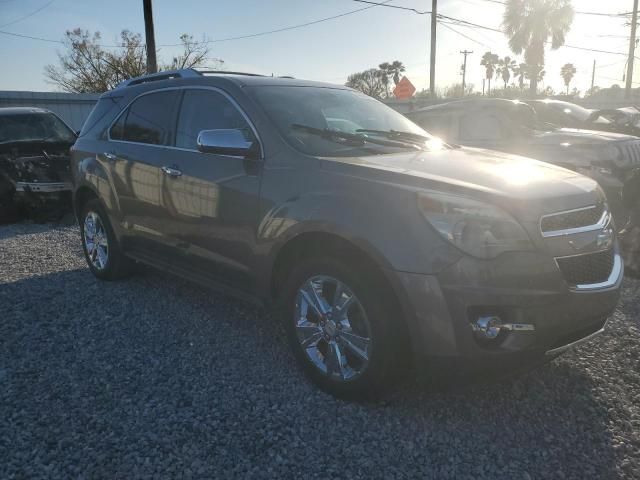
[[227, 72], [165, 75]]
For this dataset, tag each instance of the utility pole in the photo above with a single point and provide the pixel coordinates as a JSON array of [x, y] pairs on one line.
[[632, 47], [432, 62], [593, 74], [152, 65], [464, 69]]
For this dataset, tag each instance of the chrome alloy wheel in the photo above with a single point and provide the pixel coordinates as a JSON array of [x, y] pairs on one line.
[[95, 241], [332, 328]]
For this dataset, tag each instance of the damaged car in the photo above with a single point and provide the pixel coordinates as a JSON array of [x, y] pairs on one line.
[[612, 159], [566, 114], [34, 162]]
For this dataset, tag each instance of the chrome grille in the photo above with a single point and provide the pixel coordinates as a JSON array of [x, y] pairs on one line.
[[631, 150], [587, 269], [571, 219]]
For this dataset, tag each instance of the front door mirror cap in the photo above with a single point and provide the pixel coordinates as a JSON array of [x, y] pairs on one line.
[[228, 141]]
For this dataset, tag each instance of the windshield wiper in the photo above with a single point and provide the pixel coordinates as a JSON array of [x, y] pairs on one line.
[[396, 134], [357, 138]]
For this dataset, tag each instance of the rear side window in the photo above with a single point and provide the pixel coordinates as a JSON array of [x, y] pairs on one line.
[[206, 110], [149, 119]]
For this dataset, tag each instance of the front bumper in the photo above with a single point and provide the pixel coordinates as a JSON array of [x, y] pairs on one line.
[[519, 288], [44, 187]]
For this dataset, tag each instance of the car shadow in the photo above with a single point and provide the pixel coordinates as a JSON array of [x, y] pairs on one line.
[[90, 369]]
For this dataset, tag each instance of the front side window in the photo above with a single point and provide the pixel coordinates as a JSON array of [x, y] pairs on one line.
[[325, 121], [206, 110], [34, 127], [149, 119]]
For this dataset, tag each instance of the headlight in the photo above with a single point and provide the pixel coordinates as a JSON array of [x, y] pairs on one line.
[[476, 228]]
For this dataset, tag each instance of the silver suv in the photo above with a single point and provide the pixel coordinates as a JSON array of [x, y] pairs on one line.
[[380, 246]]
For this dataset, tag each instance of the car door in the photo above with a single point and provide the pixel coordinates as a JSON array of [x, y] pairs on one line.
[[211, 200], [138, 148]]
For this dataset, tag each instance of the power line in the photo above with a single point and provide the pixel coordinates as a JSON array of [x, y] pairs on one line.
[[447, 26], [29, 14], [579, 12], [21, 35], [382, 4], [284, 29], [465, 23], [218, 40]]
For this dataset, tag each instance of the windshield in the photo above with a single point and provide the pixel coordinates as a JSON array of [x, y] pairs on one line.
[[307, 118], [43, 127], [576, 111]]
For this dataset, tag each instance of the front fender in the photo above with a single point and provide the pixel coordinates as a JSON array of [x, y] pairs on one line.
[[386, 226]]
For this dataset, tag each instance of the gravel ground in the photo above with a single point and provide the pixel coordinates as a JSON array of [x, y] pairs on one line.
[[156, 377]]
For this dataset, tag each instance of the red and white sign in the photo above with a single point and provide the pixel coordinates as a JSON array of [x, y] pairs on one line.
[[404, 89]]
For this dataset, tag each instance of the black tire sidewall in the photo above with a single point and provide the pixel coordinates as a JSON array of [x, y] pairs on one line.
[[379, 374]]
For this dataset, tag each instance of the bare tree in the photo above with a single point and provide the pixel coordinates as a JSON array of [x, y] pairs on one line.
[[370, 82], [195, 54], [87, 67]]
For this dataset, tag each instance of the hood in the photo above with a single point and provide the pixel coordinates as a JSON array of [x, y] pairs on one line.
[[486, 172], [579, 137]]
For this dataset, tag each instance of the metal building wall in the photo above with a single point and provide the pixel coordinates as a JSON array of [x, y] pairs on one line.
[[73, 108]]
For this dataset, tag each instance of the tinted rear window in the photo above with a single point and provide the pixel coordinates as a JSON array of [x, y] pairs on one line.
[[149, 119], [104, 111]]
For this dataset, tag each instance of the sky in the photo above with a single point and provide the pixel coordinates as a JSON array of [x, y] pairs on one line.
[[325, 51]]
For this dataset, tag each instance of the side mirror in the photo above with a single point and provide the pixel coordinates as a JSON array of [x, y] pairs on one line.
[[229, 141]]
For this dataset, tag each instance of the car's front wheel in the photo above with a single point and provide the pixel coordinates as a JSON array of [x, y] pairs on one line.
[[342, 329], [104, 257]]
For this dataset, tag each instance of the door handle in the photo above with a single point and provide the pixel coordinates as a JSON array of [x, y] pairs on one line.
[[172, 172], [110, 156]]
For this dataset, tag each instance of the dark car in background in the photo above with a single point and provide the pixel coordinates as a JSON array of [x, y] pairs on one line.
[[566, 114], [34, 160], [379, 246], [612, 159]]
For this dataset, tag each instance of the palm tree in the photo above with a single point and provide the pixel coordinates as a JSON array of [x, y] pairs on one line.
[[567, 72], [505, 66], [529, 24], [520, 71], [489, 61], [391, 70], [384, 76], [396, 68]]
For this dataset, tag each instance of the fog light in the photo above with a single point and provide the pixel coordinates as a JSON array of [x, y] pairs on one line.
[[487, 327]]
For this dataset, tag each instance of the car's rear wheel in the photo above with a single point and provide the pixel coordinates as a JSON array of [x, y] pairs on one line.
[[341, 328], [102, 252]]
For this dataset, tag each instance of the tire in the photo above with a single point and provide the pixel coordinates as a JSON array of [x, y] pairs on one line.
[[105, 258], [369, 315]]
